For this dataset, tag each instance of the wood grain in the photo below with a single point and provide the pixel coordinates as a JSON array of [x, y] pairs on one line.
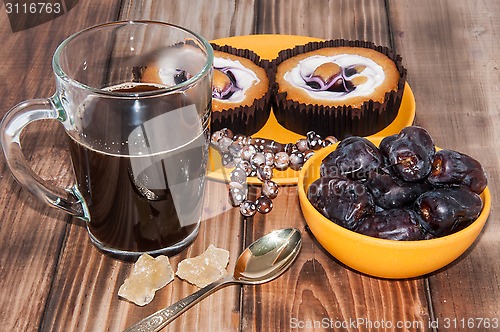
[[53, 279], [31, 234], [319, 289], [211, 19], [358, 19], [457, 101], [91, 292], [223, 226]]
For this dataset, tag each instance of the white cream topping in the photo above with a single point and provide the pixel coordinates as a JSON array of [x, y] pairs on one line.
[[171, 60], [167, 76], [245, 78], [305, 68]]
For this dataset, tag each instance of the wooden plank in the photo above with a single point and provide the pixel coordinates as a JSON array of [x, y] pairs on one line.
[[318, 289], [321, 292], [91, 292], [81, 284], [452, 47], [31, 234], [211, 19], [358, 19], [87, 281]]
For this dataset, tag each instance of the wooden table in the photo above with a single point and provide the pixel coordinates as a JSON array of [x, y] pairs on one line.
[[53, 279]]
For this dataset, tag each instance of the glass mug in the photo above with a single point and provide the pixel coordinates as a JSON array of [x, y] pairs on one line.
[[135, 100]]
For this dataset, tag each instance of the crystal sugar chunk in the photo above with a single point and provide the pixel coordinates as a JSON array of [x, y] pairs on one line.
[[148, 275], [205, 268]]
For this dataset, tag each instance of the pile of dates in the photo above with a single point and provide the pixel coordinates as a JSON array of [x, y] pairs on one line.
[[402, 190]]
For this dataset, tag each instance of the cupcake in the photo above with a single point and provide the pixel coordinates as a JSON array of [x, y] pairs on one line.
[[169, 66], [241, 91], [338, 88]]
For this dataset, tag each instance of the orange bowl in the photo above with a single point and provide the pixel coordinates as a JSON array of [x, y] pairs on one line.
[[380, 257]]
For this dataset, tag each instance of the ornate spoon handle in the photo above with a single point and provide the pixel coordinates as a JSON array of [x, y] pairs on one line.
[[163, 317]]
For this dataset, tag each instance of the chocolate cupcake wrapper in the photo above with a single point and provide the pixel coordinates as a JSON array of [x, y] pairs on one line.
[[245, 120], [342, 121]]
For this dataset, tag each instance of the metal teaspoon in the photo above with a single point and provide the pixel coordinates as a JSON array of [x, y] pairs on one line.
[[264, 260]]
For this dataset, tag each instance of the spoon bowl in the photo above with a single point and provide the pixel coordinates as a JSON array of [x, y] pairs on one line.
[[268, 257], [263, 260]]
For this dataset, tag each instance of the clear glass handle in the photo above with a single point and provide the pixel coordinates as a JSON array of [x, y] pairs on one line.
[[11, 127]]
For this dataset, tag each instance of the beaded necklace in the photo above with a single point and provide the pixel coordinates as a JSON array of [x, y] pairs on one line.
[[259, 157]]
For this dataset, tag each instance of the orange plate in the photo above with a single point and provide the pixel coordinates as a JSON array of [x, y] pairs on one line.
[[268, 47]]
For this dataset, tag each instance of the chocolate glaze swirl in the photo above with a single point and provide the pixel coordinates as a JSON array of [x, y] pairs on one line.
[[234, 80], [339, 83], [336, 77], [229, 89]]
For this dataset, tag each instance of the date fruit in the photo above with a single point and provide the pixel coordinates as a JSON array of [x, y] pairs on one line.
[[390, 192], [341, 200], [447, 210], [393, 224], [402, 190], [354, 158], [455, 168], [410, 153]]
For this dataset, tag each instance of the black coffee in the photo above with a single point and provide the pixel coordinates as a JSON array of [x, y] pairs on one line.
[[150, 198]]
